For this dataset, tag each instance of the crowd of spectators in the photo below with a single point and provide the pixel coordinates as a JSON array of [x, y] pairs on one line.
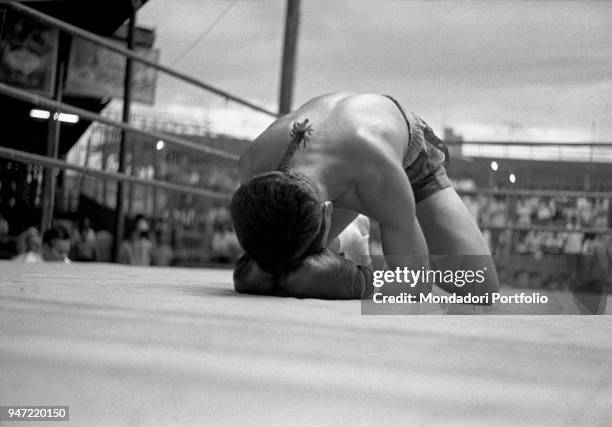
[[554, 211], [575, 222], [209, 236], [146, 242], [54, 245]]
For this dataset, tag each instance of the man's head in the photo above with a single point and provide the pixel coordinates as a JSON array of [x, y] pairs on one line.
[[279, 216], [84, 223], [56, 244], [32, 242]]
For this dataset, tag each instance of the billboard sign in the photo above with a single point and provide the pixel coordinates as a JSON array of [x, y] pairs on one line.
[[95, 71], [28, 53]]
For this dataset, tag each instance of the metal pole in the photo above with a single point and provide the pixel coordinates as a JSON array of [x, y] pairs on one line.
[[131, 156], [53, 135], [288, 71], [127, 101], [104, 196], [154, 190], [157, 165]]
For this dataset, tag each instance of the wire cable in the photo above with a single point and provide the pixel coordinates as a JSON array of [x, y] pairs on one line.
[[204, 33]]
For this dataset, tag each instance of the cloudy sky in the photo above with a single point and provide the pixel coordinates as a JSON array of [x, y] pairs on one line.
[[493, 70]]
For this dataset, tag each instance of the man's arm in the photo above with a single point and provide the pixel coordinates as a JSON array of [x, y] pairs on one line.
[[324, 275], [387, 197]]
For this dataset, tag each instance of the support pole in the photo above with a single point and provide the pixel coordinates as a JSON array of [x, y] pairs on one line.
[[158, 159], [289, 51], [131, 161], [127, 101], [53, 136]]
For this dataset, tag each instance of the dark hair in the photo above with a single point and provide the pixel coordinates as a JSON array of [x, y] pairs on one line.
[[278, 214], [55, 233]]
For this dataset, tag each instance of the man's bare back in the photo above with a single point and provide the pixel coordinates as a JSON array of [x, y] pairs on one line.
[[357, 156]]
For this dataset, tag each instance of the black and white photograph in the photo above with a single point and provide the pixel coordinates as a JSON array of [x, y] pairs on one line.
[[306, 212]]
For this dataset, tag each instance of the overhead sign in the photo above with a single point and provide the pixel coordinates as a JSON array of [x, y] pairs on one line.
[[28, 53], [95, 71]]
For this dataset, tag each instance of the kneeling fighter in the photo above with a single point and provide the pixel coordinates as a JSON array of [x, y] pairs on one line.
[[313, 171]]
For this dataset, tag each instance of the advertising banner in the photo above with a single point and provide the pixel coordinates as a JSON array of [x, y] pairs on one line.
[[97, 72], [28, 53]]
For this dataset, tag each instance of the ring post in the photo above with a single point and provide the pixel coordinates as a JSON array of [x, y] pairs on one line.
[[53, 135], [127, 100]]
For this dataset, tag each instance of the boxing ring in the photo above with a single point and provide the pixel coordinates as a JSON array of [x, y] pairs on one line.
[[170, 346]]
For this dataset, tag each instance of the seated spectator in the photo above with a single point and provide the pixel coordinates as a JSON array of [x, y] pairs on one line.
[[498, 214], [104, 246], [32, 254], [585, 211], [225, 246], [588, 244], [603, 250], [136, 250], [125, 249], [543, 213], [4, 226], [162, 253], [573, 243], [141, 224], [56, 245], [83, 242], [523, 212]]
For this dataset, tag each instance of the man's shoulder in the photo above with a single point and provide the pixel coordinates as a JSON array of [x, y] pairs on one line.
[[373, 118], [357, 126]]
